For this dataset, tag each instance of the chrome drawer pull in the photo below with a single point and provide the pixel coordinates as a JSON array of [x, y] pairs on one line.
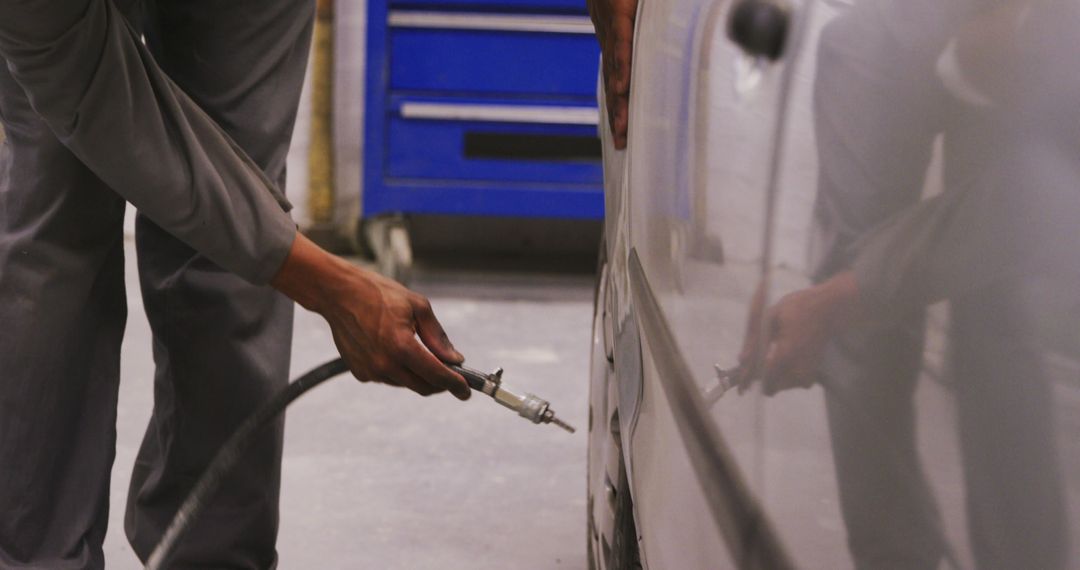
[[502, 113], [492, 22]]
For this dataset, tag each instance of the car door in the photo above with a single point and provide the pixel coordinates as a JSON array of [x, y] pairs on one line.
[[737, 162], [724, 211]]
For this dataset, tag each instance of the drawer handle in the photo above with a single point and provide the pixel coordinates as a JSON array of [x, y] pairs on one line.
[[502, 113], [492, 22], [521, 146]]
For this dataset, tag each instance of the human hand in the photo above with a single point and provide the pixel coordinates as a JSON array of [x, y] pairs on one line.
[[784, 344], [614, 22], [384, 332]]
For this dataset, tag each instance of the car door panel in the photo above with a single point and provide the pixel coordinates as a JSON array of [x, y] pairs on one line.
[[702, 122], [728, 159]]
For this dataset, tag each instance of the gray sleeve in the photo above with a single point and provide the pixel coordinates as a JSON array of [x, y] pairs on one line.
[[1011, 206], [891, 262], [946, 246], [88, 74]]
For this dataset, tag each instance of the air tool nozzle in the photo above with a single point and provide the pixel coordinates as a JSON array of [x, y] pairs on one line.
[[531, 407]]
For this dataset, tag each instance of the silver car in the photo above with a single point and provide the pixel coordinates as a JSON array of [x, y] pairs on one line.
[[837, 323]]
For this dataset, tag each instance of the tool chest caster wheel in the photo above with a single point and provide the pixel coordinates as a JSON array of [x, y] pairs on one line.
[[389, 241], [357, 238]]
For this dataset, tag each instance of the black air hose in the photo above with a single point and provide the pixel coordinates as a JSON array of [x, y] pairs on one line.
[[229, 453]]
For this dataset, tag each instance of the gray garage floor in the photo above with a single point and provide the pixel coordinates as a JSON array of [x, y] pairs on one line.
[[380, 478]]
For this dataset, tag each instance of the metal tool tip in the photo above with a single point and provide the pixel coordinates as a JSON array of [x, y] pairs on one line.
[[563, 425]]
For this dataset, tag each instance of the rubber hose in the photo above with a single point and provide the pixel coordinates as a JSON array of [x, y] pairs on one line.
[[230, 452]]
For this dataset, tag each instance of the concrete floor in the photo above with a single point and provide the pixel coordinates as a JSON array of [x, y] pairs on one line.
[[376, 477]]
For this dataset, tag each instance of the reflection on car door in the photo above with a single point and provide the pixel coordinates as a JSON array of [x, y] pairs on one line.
[[704, 123]]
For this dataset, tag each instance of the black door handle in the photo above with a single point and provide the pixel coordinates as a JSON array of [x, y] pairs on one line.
[[759, 27]]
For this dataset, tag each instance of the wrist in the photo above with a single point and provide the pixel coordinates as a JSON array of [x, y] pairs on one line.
[[310, 275], [841, 293]]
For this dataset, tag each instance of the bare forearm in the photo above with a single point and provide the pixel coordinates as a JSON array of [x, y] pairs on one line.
[[308, 275]]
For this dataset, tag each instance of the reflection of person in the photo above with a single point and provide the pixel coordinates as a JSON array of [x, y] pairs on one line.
[[880, 100], [192, 127]]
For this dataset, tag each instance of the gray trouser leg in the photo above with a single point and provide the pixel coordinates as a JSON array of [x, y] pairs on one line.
[[873, 159], [62, 310], [890, 513], [221, 344], [1015, 497]]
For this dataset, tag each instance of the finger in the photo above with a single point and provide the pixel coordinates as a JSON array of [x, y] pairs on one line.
[[749, 346], [803, 376], [748, 371], [432, 333], [773, 368], [424, 364], [612, 102], [769, 340], [785, 370], [594, 15], [759, 337], [361, 373], [742, 379], [748, 356], [621, 121], [405, 378], [623, 31]]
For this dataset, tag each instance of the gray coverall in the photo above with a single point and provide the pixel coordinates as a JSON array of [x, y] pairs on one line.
[[1008, 206], [193, 128]]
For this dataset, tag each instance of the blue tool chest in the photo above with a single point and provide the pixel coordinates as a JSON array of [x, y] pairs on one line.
[[481, 107]]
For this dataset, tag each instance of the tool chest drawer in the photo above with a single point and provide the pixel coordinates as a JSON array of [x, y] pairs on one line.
[[494, 142], [498, 60]]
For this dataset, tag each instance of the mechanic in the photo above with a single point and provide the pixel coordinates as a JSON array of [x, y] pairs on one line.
[[191, 126], [989, 77]]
